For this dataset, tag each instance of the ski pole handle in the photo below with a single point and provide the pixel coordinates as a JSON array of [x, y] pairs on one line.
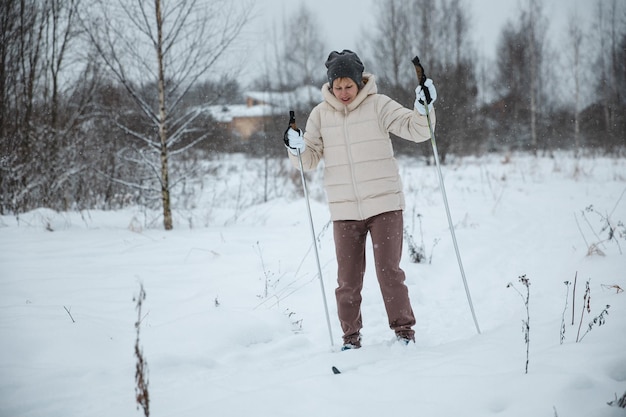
[[421, 77], [292, 125], [292, 120]]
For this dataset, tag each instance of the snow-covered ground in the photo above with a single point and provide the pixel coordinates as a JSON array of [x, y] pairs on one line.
[[233, 322]]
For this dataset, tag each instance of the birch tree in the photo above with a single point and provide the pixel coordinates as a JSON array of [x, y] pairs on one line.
[[157, 50]]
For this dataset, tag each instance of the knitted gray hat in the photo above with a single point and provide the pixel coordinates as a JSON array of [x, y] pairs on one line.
[[344, 64]]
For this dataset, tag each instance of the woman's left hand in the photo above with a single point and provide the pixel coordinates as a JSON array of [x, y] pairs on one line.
[[421, 96]]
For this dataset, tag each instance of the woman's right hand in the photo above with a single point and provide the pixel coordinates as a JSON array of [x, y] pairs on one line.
[[294, 140]]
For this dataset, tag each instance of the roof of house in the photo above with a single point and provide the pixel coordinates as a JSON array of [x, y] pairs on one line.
[[227, 112], [265, 103], [303, 95]]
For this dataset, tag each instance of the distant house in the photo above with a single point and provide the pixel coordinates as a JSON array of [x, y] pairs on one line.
[[243, 120]]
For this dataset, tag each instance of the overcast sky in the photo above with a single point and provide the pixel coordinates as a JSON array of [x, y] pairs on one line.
[[342, 21]]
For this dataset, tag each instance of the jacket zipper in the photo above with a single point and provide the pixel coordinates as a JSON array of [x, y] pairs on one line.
[[349, 149]]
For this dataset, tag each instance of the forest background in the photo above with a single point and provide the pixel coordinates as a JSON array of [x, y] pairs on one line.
[[101, 101]]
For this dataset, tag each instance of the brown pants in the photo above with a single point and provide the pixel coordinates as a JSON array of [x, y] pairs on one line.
[[386, 232]]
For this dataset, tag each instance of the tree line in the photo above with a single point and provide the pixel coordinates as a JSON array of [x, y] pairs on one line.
[[100, 101]]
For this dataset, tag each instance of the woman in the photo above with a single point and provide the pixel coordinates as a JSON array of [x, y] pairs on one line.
[[350, 131]]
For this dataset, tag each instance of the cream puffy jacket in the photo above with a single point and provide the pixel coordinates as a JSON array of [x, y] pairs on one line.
[[361, 176]]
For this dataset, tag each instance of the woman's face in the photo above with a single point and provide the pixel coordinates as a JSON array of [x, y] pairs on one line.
[[345, 89]]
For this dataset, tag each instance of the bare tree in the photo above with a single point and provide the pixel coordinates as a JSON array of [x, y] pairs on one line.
[[427, 25], [521, 76], [42, 107], [456, 70], [402, 30], [22, 32], [10, 147], [610, 25], [510, 87], [438, 32], [294, 57], [575, 67], [392, 49], [303, 49], [533, 58], [157, 50], [61, 33]]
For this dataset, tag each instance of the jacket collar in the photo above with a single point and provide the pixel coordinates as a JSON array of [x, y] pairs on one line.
[[368, 89]]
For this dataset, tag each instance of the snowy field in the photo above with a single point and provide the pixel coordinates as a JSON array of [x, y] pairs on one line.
[[233, 322]]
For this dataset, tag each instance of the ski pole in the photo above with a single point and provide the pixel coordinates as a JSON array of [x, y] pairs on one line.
[[419, 69], [292, 124]]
